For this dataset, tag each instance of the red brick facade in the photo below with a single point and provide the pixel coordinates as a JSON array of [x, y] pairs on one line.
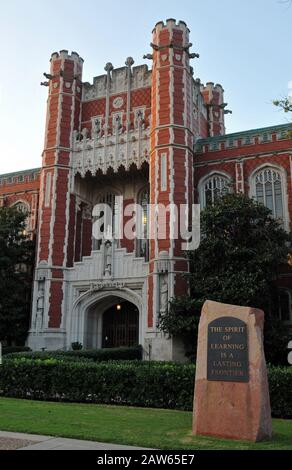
[[131, 129]]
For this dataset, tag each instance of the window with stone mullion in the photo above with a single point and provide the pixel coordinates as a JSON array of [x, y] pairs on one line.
[[269, 191]]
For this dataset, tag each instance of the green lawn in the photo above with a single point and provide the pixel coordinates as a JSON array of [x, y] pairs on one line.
[[160, 429]]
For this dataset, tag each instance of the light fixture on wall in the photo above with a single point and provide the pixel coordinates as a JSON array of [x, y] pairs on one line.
[[119, 307]]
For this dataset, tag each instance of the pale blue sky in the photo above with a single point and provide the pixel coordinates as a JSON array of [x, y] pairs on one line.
[[244, 45]]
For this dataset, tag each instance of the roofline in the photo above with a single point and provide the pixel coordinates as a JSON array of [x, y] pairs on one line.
[[243, 133], [18, 173]]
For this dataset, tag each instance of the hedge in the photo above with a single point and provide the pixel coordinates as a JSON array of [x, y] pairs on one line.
[[144, 384], [14, 349], [280, 383], [123, 383], [96, 355]]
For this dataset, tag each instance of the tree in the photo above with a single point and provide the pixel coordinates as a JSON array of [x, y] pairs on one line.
[[16, 261], [238, 261], [285, 104]]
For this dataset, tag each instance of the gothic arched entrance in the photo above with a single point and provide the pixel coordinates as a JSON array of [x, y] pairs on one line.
[[120, 326], [96, 316]]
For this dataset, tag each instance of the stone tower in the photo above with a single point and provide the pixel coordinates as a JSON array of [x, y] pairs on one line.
[[171, 167], [56, 203]]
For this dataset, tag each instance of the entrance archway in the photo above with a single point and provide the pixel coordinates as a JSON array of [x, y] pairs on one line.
[[90, 310], [120, 326]]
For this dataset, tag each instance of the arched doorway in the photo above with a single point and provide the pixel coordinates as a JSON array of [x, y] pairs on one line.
[[89, 310], [120, 326]]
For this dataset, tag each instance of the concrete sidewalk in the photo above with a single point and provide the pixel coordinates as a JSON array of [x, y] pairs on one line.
[[20, 441]]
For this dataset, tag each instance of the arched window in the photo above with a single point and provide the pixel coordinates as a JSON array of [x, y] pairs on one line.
[[111, 218], [23, 207], [269, 190], [143, 240], [213, 188]]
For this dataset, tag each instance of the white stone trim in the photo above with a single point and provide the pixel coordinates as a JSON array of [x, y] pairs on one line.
[[40, 222], [53, 217]]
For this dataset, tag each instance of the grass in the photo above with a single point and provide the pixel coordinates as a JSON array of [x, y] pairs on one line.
[[159, 429]]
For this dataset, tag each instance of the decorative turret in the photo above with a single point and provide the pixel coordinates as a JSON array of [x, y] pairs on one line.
[[56, 202], [214, 102], [171, 157]]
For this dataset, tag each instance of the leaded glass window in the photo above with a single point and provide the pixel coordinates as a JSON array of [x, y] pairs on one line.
[[269, 191], [214, 188]]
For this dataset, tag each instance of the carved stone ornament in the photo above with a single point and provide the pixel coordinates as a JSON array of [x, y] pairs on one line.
[[118, 102], [163, 294]]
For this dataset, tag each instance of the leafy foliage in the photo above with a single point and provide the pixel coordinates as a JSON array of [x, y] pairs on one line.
[[133, 383], [276, 339], [96, 355], [284, 104], [241, 250], [182, 320], [16, 261], [15, 349], [76, 346]]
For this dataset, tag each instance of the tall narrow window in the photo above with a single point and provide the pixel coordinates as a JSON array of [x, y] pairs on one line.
[[163, 172], [48, 190], [269, 191], [143, 240], [111, 218], [213, 189]]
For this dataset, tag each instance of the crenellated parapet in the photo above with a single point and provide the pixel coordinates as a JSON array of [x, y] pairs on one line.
[[170, 23], [243, 139], [20, 177], [118, 81], [64, 55], [213, 96]]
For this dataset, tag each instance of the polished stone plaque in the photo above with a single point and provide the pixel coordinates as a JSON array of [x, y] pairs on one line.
[[227, 350]]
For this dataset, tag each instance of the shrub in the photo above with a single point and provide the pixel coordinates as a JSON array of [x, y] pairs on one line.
[[276, 339], [142, 384], [132, 383], [96, 355], [280, 382], [14, 349]]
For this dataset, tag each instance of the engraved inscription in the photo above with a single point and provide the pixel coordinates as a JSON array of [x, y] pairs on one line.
[[227, 350]]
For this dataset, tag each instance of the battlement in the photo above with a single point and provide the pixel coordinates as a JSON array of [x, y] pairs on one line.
[[19, 177], [243, 139], [212, 87], [171, 23], [140, 78], [64, 55]]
